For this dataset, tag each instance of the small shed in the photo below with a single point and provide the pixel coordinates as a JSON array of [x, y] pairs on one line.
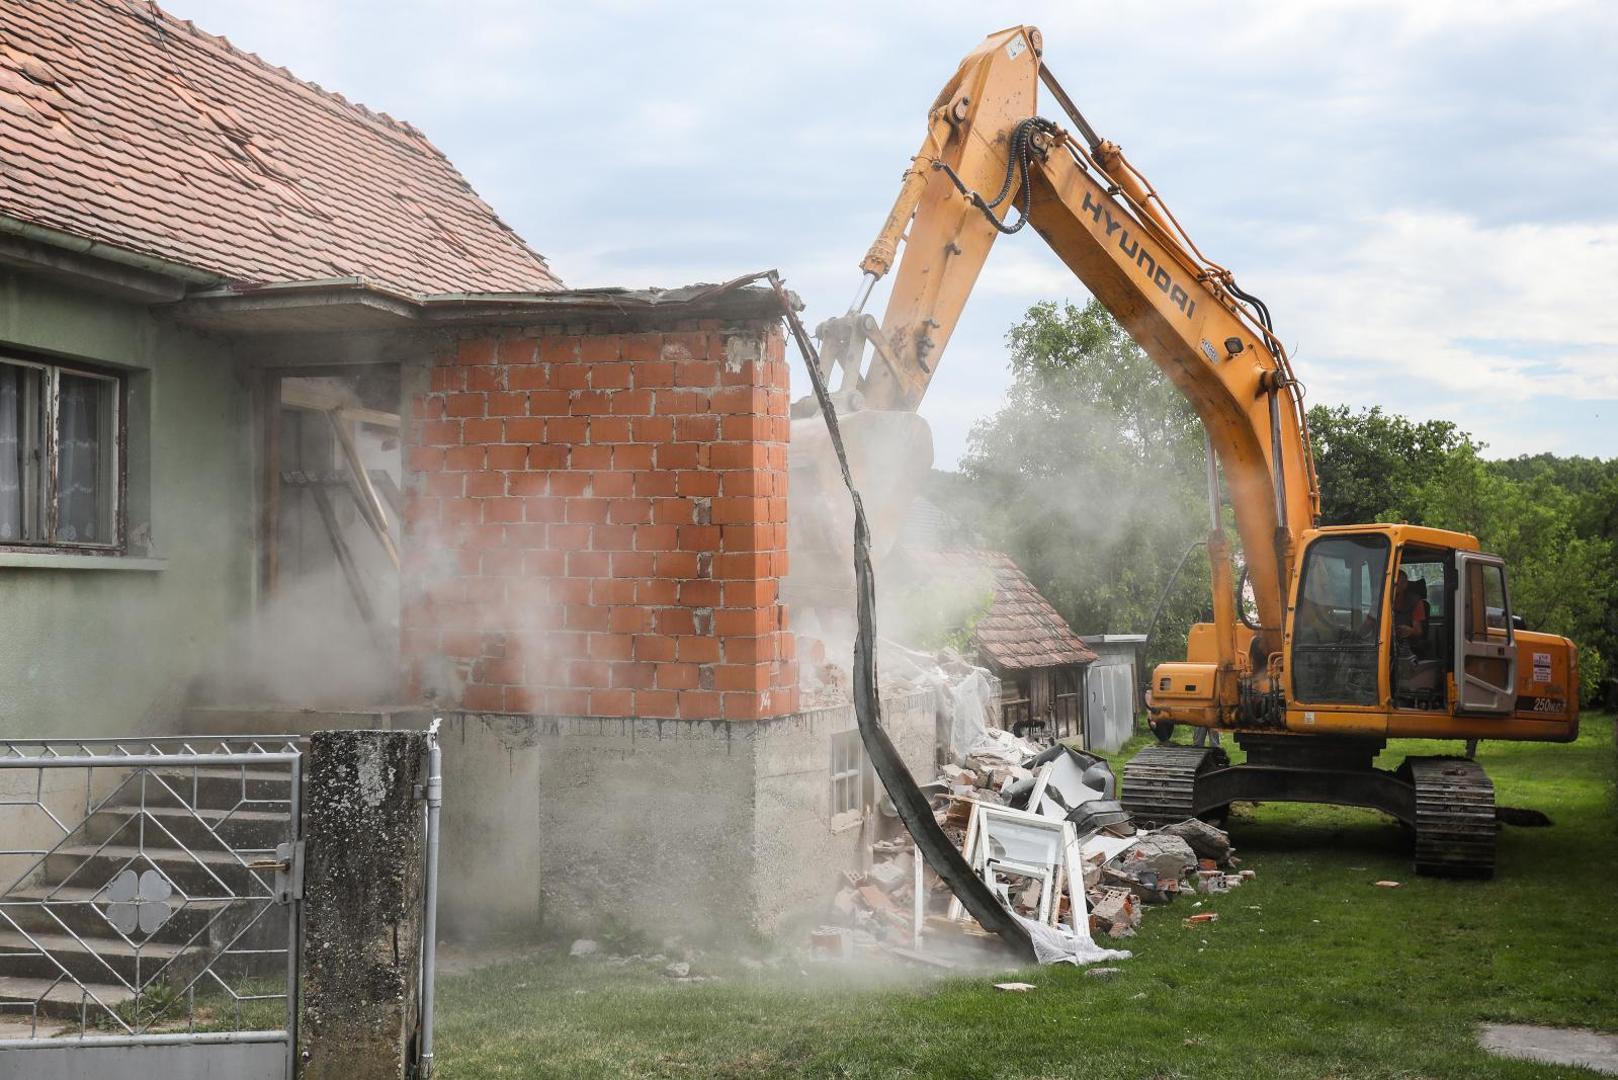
[[1038, 658], [1112, 693]]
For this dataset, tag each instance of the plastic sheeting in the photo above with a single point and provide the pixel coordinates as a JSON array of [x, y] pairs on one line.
[[972, 699], [974, 709], [1060, 945]]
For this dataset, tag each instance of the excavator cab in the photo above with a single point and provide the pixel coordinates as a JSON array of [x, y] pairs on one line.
[[1403, 631], [1372, 625]]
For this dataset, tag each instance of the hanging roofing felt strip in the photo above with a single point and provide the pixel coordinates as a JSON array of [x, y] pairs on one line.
[[913, 807]]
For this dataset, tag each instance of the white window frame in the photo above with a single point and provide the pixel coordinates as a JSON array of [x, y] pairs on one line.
[[48, 479], [848, 779]]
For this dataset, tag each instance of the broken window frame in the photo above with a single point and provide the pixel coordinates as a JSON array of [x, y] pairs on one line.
[[1061, 872], [40, 484]]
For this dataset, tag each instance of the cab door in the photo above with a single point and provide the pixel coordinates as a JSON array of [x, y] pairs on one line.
[[1485, 652]]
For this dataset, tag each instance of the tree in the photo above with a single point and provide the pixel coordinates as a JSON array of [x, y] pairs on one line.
[[1370, 462], [1091, 475]]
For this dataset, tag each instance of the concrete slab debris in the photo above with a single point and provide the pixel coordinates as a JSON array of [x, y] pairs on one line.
[[1579, 1047], [1162, 856], [1210, 844], [890, 874], [1015, 987]]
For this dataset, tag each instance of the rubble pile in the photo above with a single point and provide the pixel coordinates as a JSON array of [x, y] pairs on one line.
[[1042, 827]]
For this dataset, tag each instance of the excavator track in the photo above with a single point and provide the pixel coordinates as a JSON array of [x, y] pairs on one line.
[[1455, 821], [1160, 782]]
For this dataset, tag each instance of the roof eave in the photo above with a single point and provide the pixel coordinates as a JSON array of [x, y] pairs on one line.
[[94, 264], [358, 304], [323, 305]]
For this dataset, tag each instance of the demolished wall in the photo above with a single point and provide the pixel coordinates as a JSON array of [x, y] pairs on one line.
[[596, 523], [595, 537]]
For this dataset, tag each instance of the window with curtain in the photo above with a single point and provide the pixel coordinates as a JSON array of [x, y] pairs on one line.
[[59, 460]]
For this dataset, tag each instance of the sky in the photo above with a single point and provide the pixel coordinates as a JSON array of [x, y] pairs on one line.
[[1424, 193]]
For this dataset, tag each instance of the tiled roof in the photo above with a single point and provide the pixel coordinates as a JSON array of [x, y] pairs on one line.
[[1020, 630], [125, 125]]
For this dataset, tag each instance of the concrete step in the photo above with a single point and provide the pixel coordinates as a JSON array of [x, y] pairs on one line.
[[215, 787], [201, 874], [243, 829], [103, 960], [45, 910], [114, 961], [60, 1000]]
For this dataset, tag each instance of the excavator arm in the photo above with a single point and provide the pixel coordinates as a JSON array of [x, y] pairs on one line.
[[988, 166]]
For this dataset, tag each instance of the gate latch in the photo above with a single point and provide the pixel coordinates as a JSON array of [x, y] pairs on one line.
[[288, 867]]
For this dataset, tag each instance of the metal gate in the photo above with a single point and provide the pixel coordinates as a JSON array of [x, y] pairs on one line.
[[149, 919]]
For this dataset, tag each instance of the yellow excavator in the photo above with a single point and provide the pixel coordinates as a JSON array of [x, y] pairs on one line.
[[1353, 635]]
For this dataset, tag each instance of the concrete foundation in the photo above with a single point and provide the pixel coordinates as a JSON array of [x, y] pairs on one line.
[[703, 828]]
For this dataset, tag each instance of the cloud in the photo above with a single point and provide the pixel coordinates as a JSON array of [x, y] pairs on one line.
[[1408, 185], [1470, 310]]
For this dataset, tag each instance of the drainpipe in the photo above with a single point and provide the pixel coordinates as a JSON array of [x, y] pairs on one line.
[[429, 947], [151, 264]]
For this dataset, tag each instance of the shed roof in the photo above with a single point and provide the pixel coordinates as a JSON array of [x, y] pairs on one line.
[[1020, 630], [125, 125]]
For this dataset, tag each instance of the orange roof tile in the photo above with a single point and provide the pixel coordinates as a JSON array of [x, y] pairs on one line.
[[120, 123]]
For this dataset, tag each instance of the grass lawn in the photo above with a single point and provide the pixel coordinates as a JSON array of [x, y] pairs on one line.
[[1310, 972]]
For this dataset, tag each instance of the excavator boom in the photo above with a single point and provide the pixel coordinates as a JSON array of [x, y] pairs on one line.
[[986, 159]]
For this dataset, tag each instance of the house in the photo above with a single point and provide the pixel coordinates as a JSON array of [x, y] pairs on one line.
[[1050, 676], [152, 170], [296, 432]]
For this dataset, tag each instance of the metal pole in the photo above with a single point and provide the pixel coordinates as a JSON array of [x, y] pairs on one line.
[[294, 913], [1224, 590], [429, 949]]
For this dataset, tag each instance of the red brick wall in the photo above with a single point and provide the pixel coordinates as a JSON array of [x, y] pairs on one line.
[[595, 525]]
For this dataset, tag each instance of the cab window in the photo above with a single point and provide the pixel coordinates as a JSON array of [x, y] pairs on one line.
[[1422, 641], [1337, 623]]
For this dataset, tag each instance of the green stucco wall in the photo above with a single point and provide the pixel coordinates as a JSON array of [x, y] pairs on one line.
[[91, 652]]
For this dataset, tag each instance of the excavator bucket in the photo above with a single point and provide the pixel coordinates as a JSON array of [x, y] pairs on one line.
[[889, 453]]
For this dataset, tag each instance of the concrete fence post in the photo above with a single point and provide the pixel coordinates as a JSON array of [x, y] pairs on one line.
[[362, 915]]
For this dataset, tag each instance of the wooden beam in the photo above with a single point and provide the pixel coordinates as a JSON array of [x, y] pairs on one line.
[[299, 393], [365, 493], [345, 557]]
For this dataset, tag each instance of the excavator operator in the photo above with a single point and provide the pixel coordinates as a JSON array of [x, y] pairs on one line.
[[1410, 613]]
